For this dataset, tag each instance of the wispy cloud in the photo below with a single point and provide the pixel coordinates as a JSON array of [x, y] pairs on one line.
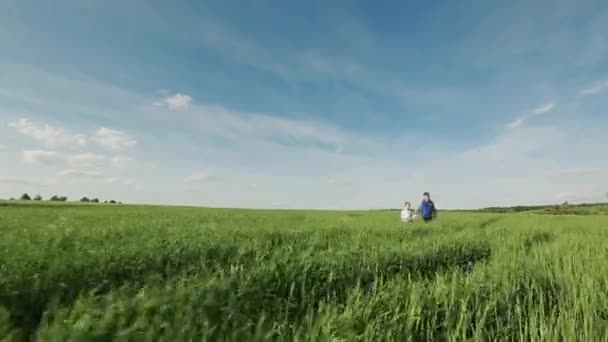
[[120, 162], [41, 157], [80, 173], [119, 180], [177, 102], [85, 160], [295, 64], [544, 109], [518, 122], [338, 183], [584, 172], [76, 161], [47, 134], [197, 177], [242, 127], [20, 181], [113, 139], [112, 180], [595, 89]]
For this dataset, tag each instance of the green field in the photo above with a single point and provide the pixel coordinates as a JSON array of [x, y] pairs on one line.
[[136, 273]]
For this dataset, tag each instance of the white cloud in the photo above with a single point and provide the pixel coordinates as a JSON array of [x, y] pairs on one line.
[[544, 109], [49, 135], [595, 89], [80, 173], [73, 161], [177, 102], [120, 162], [85, 160], [113, 139], [57, 137], [2, 147], [41, 157], [518, 122], [197, 178]]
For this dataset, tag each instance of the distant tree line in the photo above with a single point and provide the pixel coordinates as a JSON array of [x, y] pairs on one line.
[[58, 198], [558, 209], [55, 198]]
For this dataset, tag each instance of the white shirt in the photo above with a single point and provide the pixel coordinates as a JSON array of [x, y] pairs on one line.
[[407, 215]]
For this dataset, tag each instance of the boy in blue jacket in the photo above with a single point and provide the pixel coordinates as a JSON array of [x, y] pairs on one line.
[[427, 208]]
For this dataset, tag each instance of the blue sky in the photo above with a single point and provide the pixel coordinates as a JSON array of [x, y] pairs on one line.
[[284, 104]]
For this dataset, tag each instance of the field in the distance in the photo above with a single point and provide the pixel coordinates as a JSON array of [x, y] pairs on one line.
[[133, 273]]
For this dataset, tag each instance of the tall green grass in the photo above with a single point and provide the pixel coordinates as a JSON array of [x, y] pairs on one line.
[[133, 273]]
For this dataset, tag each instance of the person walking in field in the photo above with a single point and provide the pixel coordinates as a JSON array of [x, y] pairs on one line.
[[407, 214], [427, 208]]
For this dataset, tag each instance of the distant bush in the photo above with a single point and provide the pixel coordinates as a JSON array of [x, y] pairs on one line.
[[113, 202], [54, 198], [25, 197], [38, 198], [85, 199], [58, 198], [95, 200]]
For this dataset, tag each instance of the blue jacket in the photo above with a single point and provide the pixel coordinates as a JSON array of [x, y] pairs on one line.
[[427, 209]]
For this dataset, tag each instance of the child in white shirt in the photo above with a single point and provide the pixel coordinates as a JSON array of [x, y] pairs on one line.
[[407, 214]]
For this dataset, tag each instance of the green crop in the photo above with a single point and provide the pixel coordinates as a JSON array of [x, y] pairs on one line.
[[142, 273]]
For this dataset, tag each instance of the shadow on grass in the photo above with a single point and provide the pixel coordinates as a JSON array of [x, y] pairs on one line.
[[537, 239], [285, 287], [491, 313], [489, 222]]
